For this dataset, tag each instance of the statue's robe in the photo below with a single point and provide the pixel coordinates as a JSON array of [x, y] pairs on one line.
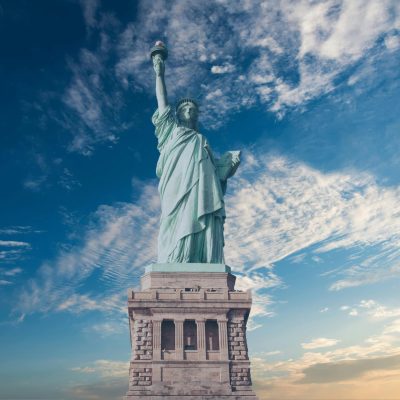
[[192, 203]]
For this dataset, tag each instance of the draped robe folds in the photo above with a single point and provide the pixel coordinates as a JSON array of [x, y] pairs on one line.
[[192, 203]]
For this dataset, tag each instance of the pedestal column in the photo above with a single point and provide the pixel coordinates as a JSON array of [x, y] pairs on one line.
[[157, 339], [223, 338], [179, 339], [201, 338]]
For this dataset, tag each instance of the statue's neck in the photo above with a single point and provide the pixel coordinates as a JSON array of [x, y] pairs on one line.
[[189, 124]]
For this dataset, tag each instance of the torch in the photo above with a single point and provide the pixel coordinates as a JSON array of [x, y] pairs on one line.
[[159, 48]]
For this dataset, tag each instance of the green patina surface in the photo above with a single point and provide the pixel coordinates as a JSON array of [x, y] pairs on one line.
[[192, 183], [188, 267]]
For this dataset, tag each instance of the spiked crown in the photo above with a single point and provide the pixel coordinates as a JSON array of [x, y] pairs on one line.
[[184, 101]]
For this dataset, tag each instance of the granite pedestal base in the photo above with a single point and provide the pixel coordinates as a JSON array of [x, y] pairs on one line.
[[188, 335]]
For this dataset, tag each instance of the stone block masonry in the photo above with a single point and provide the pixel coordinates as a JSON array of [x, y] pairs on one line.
[[140, 377], [240, 376], [237, 340], [188, 335], [143, 340]]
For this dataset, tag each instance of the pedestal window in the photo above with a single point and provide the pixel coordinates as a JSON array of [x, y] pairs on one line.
[[168, 335], [190, 335], [212, 335]]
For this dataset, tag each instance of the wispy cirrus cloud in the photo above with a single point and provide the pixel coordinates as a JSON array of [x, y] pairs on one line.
[[319, 342], [91, 105], [90, 9], [13, 243], [109, 328], [348, 370], [280, 54], [260, 282], [10, 272], [118, 242], [372, 309], [12, 251], [90, 113], [280, 207], [38, 178], [277, 208], [105, 368], [17, 230]]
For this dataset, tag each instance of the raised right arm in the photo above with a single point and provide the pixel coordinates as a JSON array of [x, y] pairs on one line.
[[161, 90]]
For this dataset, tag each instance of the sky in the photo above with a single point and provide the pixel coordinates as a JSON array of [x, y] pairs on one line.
[[307, 90]]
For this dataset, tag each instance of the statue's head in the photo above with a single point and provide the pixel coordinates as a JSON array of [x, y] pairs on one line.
[[187, 111]]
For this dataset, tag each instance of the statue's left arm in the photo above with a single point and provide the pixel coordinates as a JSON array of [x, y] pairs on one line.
[[227, 166]]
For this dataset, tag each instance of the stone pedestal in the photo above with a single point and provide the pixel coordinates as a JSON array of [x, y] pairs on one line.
[[188, 335]]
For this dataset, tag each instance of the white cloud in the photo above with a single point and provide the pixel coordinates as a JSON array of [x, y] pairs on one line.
[[10, 272], [36, 183], [290, 379], [120, 240], [67, 180], [373, 310], [18, 230], [222, 69], [318, 343], [91, 112], [382, 312], [90, 8], [392, 328], [76, 303], [3, 282], [365, 275], [109, 328], [324, 310], [367, 303], [40, 174], [272, 353], [84, 370], [13, 243], [270, 43], [12, 250], [278, 208], [392, 42], [288, 52], [278, 54], [259, 282], [353, 312], [105, 368]]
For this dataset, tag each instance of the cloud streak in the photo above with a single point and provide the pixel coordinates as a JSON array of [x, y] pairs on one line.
[[280, 55], [369, 369], [318, 343], [105, 368], [348, 370], [120, 240], [279, 208], [13, 243], [283, 54]]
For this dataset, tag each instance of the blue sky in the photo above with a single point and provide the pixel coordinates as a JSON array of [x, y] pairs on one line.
[[308, 90]]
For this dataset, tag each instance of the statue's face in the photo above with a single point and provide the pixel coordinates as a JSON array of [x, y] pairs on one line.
[[188, 113]]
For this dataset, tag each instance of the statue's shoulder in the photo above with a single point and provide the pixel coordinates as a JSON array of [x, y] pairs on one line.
[[165, 119]]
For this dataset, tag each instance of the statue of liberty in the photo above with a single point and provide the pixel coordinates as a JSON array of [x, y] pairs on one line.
[[192, 181]]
